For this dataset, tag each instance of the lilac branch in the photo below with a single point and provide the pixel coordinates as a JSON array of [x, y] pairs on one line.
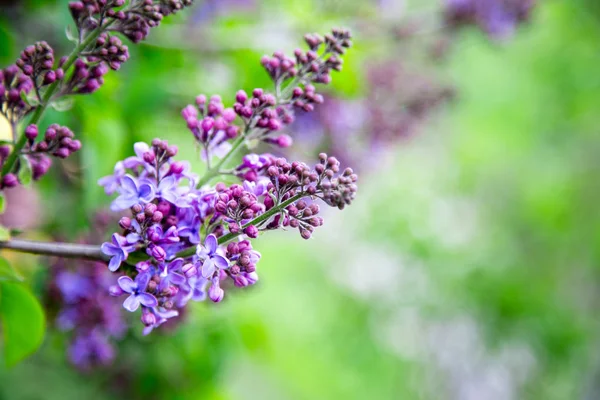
[[67, 250]]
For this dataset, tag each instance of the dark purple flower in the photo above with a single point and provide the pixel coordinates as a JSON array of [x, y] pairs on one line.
[[136, 292]]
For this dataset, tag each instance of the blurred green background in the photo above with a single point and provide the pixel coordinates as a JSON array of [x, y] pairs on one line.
[[468, 268]]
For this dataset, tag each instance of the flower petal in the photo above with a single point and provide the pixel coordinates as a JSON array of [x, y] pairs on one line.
[[115, 262], [147, 299], [142, 281], [208, 268], [211, 243], [220, 261], [127, 284], [176, 278], [131, 303]]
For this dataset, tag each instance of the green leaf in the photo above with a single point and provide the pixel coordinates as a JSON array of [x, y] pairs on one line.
[[63, 104], [25, 173], [29, 100], [23, 322], [71, 35], [7, 272], [4, 234], [2, 203]]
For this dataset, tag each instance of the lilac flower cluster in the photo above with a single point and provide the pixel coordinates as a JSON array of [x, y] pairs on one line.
[[86, 309], [36, 80], [58, 142], [498, 19], [187, 240], [13, 83], [264, 114]]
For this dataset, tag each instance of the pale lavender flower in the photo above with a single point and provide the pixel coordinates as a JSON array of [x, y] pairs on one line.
[[118, 251], [136, 292], [162, 315], [112, 182], [213, 261], [169, 274], [191, 231], [132, 192]]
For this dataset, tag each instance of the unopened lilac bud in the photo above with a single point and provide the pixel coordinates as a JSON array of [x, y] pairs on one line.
[[115, 290], [284, 141], [240, 281], [189, 270], [149, 157], [251, 231], [141, 217], [31, 132], [172, 151], [215, 293], [62, 152], [305, 233], [137, 208], [148, 318], [157, 216], [234, 228], [125, 223], [74, 145], [50, 77], [241, 97], [143, 266], [158, 253], [149, 209], [9, 180], [257, 92], [152, 285]]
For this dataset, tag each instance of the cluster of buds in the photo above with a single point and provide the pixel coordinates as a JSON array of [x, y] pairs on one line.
[[304, 217], [337, 191], [142, 15], [211, 124], [111, 50], [244, 260], [12, 83], [58, 141], [238, 204], [37, 61], [86, 78]]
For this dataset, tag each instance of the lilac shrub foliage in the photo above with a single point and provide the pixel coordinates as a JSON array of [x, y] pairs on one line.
[[192, 240]]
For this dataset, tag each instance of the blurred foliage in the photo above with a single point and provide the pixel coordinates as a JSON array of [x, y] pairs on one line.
[[467, 269]]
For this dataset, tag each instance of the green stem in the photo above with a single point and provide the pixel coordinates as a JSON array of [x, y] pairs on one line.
[[261, 218], [37, 115], [216, 170]]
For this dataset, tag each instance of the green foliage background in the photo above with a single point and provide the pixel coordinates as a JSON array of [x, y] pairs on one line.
[[468, 267]]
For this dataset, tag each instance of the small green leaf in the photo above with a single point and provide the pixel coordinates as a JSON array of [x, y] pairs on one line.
[[31, 101], [7, 272], [70, 35], [2, 203], [23, 322], [63, 104], [4, 234], [25, 173]]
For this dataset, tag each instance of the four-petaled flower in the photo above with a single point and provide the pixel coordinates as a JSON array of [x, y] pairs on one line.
[[168, 274], [132, 192], [136, 292], [213, 262], [118, 251]]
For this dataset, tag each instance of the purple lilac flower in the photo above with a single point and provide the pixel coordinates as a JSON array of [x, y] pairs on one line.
[[162, 315], [118, 251], [136, 292], [112, 182], [213, 262], [132, 192], [169, 274]]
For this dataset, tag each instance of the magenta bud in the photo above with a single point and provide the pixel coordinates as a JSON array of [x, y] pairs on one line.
[[215, 293], [10, 180], [125, 223], [115, 290], [31, 132], [177, 167], [62, 152], [149, 209], [148, 318], [189, 270], [157, 216], [158, 253], [149, 157], [251, 231], [241, 97]]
